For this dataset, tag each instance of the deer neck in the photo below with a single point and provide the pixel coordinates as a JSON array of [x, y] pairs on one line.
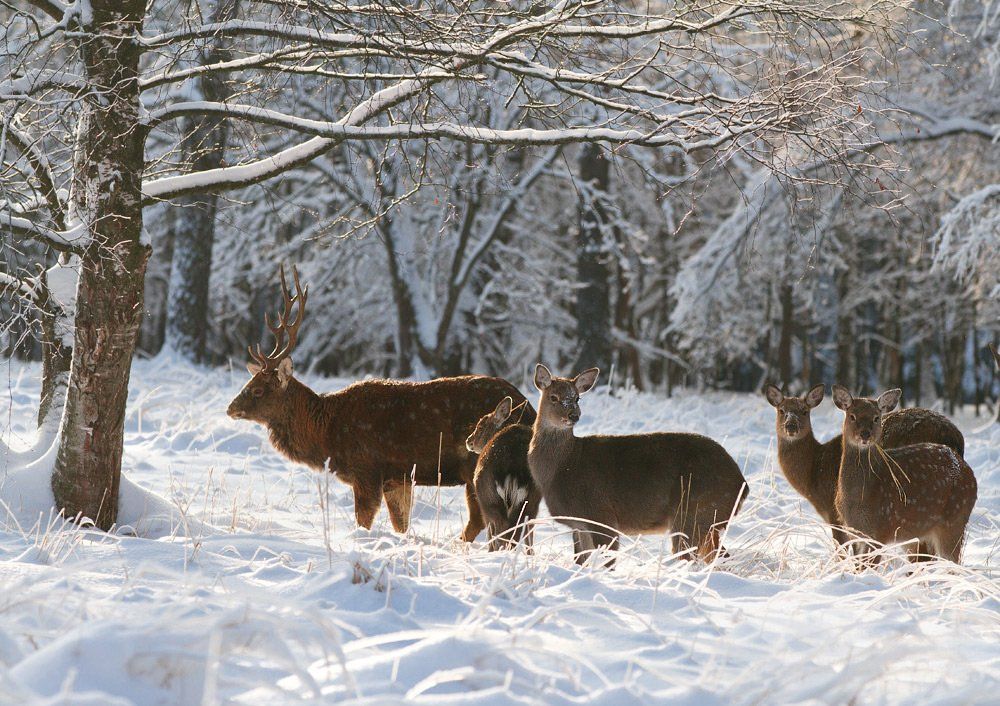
[[798, 459], [549, 453], [299, 432], [862, 472]]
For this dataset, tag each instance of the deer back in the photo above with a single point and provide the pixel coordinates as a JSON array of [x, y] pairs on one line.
[[640, 483], [390, 426], [915, 425]]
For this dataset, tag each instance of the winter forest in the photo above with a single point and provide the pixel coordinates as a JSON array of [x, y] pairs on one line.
[[696, 197]]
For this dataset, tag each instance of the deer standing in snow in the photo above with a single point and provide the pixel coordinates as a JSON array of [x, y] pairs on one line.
[[508, 497], [813, 468], [602, 486], [381, 437], [922, 492]]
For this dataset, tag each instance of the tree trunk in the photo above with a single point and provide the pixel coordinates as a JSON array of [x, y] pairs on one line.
[[406, 316], [593, 306], [785, 341], [57, 356], [203, 145], [845, 335], [107, 199]]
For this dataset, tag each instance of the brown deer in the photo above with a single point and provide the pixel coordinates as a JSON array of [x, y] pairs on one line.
[[602, 486], [922, 492], [371, 435], [508, 497], [813, 468]]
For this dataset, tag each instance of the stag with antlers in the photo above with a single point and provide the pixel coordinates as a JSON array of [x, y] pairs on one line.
[[381, 437]]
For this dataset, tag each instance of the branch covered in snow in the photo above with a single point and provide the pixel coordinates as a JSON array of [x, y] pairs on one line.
[[69, 241]]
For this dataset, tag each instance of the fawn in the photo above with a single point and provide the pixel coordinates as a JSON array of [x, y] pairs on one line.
[[508, 497], [813, 468], [379, 436], [601, 486], [924, 491]]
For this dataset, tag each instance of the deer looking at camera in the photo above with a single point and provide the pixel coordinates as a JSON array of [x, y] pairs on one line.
[[508, 497], [602, 486], [813, 468], [371, 435], [922, 492]]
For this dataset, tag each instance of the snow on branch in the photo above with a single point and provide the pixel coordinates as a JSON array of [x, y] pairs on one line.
[[968, 240], [458, 132], [64, 241], [36, 157], [25, 289]]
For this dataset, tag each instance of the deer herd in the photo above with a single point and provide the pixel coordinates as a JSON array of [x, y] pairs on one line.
[[891, 477]]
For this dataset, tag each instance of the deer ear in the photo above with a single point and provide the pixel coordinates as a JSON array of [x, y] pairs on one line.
[[815, 396], [888, 400], [284, 372], [586, 380], [841, 397], [503, 409], [543, 378], [773, 395], [254, 367]]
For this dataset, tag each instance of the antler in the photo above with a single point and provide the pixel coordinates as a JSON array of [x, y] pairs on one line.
[[283, 349]]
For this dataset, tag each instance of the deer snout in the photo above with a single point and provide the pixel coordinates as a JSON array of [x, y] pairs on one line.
[[573, 416], [235, 412]]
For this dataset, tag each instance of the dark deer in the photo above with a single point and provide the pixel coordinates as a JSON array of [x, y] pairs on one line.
[[922, 492], [372, 434], [813, 468], [603, 486], [508, 497]]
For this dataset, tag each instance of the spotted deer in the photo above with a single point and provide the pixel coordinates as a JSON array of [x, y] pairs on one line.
[[508, 497], [812, 468], [923, 492], [604, 486], [379, 436]]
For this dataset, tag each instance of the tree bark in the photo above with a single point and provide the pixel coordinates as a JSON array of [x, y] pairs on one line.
[[56, 359], [593, 304], [203, 145], [107, 199], [785, 340]]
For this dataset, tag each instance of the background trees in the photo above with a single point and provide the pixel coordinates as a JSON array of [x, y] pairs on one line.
[[691, 193]]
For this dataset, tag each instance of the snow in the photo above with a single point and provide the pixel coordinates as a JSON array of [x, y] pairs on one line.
[[239, 588]]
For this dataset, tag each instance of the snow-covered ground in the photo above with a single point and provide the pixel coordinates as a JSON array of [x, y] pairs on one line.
[[267, 594]]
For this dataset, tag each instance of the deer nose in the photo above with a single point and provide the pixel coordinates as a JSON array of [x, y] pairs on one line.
[[574, 417], [865, 435], [235, 413]]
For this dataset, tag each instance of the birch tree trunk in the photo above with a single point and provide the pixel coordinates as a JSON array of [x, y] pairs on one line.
[[106, 200]]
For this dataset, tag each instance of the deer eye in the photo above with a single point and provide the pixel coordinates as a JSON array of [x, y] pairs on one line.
[[554, 398], [258, 392], [854, 418]]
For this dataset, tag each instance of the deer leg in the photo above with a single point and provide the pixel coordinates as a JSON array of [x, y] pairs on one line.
[[842, 538], [367, 500], [921, 551], [582, 546], [710, 547], [399, 501], [948, 543], [866, 553], [608, 540], [476, 523]]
